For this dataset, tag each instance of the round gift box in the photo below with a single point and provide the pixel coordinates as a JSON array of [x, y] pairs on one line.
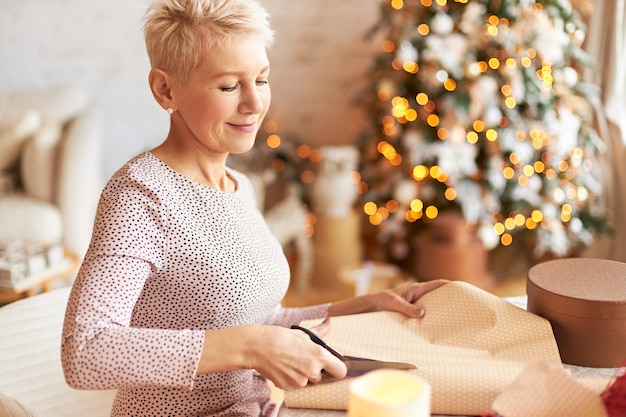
[[585, 301]]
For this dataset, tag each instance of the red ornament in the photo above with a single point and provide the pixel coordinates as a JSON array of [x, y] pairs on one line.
[[614, 396]]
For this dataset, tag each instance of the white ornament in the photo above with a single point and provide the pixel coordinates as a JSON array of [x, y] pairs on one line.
[[333, 193]]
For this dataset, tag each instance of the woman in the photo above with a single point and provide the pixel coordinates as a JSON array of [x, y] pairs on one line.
[[177, 303]]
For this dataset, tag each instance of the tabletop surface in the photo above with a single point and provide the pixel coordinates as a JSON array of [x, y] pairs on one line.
[[577, 371]]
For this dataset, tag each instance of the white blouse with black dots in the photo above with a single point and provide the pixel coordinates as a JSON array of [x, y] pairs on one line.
[[170, 258]]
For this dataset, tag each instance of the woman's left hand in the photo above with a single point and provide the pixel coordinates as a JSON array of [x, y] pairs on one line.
[[405, 298]]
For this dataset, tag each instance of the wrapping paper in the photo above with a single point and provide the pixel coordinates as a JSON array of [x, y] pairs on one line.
[[470, 346], [542, 390]]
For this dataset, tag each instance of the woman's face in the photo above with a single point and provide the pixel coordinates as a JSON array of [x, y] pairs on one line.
[[221, 106]]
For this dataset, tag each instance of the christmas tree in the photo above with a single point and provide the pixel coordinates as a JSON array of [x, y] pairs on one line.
[[478, 106]]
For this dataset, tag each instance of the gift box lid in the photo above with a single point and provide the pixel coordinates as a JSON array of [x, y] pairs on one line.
[[581, 287], [585, 301]]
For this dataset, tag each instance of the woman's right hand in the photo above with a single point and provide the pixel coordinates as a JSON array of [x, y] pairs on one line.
[[288, 358], [291, 360]]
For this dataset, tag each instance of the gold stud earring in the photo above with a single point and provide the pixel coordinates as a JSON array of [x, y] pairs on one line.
[[170, 110]]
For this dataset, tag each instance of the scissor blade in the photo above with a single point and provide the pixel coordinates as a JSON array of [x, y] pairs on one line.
[[360, 365]]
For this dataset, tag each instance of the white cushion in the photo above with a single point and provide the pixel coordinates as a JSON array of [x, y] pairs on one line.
[[29, 218], [39, 161], [30, 359], [13, 136]]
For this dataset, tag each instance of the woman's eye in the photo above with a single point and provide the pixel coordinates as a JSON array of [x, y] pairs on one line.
[[229, 89], [262, 82]]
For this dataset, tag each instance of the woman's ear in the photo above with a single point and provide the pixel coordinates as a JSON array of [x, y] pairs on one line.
[[161, 86]]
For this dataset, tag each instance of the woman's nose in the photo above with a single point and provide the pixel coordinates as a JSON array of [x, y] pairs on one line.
[[252, 101]]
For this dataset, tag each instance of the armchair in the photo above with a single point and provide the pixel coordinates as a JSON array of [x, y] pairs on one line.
[[49, 166]]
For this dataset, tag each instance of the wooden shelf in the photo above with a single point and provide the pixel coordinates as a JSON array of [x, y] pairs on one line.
[[43, 281]]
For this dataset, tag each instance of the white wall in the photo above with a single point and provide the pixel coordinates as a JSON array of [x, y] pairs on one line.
[[317, 64]]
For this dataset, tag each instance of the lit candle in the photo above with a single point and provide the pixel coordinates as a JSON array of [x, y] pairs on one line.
[[389, 393]]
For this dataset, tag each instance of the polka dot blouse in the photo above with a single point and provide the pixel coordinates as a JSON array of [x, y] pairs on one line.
[[170, 258]]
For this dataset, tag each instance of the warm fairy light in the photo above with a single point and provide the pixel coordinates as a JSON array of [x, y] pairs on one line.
[[472, 137], [491, 135], [432, 120], [441, 2], [273, 141], [388, 46], [376, 219], [514, 158], [421, 98], [270, 126], [410, 67], [506, 239], [431, 212], [435, 172], [494, 63], [388, 122], [307, 176], [427, 3], [528, 170], [397, 4], [303, 151], [511, 63], [577, 153], [571, 193], [278, 165], [510, 102], [410, 115], [519, 220], [417, 205], [520, 135], [384, 94], [523, 180], [508, 173], [526, 62], [392, 206], [387, 150], [492, 30], [509, 224], [506, 90], [420, 172], [450, 194], [370, 208], [449, 84], [498, 228], [493, 19], [315, 156], [397, 160], [443, 133], [429, 106], [539, 166], [478, 125], [423, 29], [354, 177]]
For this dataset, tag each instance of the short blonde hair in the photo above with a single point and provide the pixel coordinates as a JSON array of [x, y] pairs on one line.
[[177, 32]]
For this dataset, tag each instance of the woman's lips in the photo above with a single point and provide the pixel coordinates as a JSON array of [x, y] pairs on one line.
[[244, 127]]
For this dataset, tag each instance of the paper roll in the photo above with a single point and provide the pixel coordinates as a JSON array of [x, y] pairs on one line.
[[389, 393]]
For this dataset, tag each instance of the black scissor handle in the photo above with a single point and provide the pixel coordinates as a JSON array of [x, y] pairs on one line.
[[316, 339]]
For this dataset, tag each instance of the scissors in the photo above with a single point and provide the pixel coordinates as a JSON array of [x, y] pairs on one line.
[[356, 366]]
